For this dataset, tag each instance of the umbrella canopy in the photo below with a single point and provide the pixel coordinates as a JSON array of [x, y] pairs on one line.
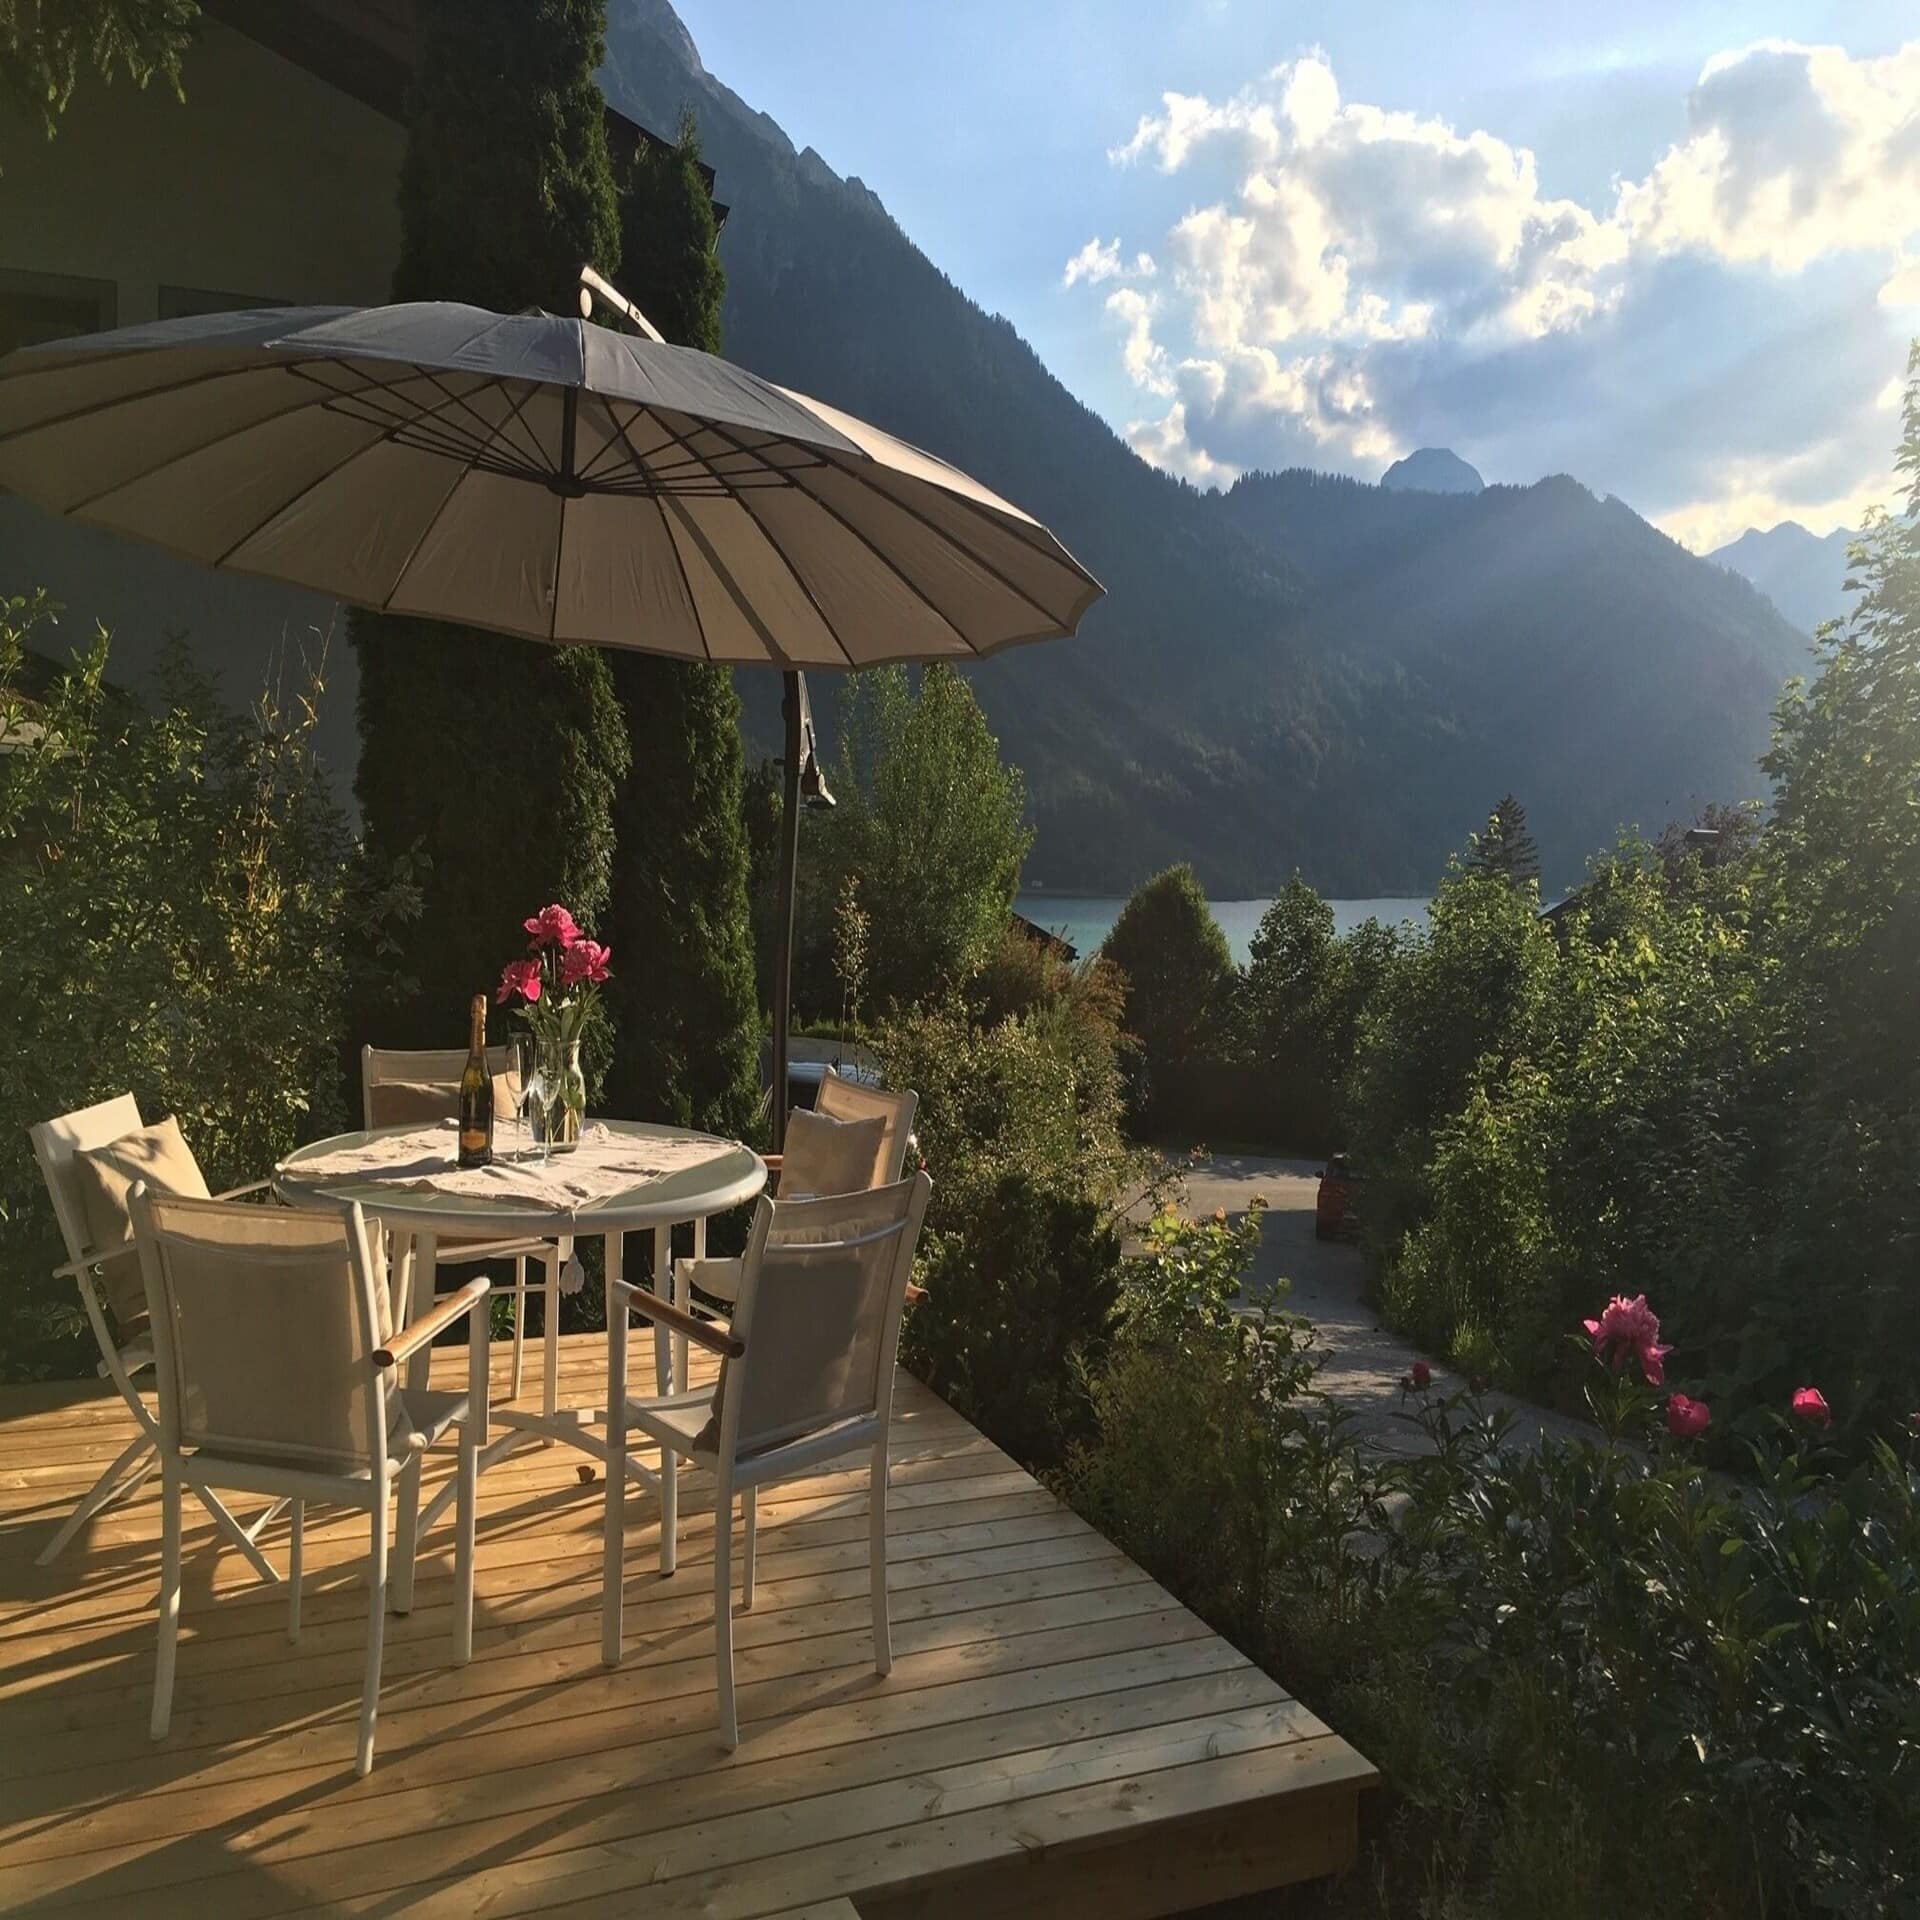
[[539, 475], [543, 477]]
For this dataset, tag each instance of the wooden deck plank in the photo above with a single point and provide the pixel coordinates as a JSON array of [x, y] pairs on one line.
[[1053, 1724]]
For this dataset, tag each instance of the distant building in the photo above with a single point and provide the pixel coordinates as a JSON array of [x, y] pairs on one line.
[[1061, 949]]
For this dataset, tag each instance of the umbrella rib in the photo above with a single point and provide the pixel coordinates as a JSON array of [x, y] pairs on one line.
[[686, 580], [854, 474], [720, 573], [739, 500], [892, 566], [124, 399], [320, 480]]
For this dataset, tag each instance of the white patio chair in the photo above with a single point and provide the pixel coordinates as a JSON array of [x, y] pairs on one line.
[[98, 1233], [803, 1171], [806, 1376], [413, 1087], [276, 1369]]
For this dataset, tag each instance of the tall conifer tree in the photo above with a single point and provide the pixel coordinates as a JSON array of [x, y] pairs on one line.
[[685, 1006], [1507, 848], [497, 757]]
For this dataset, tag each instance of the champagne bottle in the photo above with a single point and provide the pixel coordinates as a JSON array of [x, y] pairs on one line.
[[476, 1094]]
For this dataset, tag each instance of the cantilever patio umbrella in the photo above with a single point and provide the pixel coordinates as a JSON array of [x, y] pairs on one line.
[[542, 476]]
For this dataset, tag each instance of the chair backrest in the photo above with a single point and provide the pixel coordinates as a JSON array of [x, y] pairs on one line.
[[55, 1142], [265, 1322], [421, 1084], [846, 1099], [822, 1285]]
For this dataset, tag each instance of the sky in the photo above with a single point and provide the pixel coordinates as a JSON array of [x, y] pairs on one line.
[[1671, 249]]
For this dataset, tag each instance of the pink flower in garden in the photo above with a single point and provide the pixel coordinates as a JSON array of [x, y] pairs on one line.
[[1421, 1376], [552, 926], [1687, 1419], [1631, 1326], [521, 977], [584, 960], [1810, 1405]]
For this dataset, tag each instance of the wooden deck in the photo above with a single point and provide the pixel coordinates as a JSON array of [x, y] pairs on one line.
[[1057, 1735]]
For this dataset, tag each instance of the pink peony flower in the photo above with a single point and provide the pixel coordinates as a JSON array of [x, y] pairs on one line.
[[521, 977], [552, 926], [1810, 1405], [1421, 1376], [584, 960], [1630, 1326], [1687, 1419]]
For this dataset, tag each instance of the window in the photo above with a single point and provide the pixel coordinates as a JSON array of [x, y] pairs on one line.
[[36, 307]]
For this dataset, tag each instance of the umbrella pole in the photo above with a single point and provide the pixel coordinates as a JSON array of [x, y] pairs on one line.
[[789, 871]]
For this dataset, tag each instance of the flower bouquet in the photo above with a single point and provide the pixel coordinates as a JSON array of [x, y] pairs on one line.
[[556, 984]]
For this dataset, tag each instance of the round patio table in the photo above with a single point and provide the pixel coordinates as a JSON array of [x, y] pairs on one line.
[[418, 1218]]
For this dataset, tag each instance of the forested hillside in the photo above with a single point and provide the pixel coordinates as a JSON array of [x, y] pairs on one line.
[[1308, 674]]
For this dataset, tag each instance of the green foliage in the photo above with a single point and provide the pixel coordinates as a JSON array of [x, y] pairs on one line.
[[45, 46], [686, 1005], [669, 266], [507, 189], [495, 760], [1507, 848], [1019, 1301], [683, 993], [1019, 1125], [1179, 973], [496, 763], [1841, 860], [177, 891], [930, 822], [1598, 1682]]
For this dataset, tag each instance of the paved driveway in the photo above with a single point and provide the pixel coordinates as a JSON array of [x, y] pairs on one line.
[[1367, 1362]]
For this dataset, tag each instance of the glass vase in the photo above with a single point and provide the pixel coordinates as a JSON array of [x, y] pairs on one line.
[[558, 1107]]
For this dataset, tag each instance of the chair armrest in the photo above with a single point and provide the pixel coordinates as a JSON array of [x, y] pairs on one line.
[[430, 1325], [703, 1333], [240, 1193], [915, 1294]]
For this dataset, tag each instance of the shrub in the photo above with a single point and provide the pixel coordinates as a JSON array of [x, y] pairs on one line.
[[1019, 1304], [181, 899], [930, 822], [1180, 984]]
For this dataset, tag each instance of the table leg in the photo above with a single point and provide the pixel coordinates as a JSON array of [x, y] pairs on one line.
[[550, 1324], [425, 1254]]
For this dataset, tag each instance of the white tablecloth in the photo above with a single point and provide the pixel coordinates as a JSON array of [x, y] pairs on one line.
[[426, 1159]]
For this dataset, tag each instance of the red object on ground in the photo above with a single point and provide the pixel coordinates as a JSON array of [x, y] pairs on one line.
[[1335, 1213]]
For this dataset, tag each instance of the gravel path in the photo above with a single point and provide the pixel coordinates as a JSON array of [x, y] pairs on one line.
[[1368, 1361]]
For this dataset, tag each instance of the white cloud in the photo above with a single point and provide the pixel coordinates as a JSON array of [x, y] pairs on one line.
[[1343, 261], [1100, 260], [1794, 152]]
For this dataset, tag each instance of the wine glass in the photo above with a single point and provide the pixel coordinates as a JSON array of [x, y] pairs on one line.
[[520, 1078]]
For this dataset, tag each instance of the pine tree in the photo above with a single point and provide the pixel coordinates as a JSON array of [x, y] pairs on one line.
[[1507, 848], [496, 758], [687, 1019]]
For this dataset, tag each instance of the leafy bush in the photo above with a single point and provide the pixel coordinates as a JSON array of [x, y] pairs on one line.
[[1180, 986], [181, 903], [1598, 1680], [930, 822]]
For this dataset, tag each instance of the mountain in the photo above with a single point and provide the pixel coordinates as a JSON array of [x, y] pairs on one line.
[[1306, 673], [1432, 470], [1802, 573]]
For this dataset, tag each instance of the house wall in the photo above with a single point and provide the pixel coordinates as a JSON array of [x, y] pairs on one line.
[[266, 186]]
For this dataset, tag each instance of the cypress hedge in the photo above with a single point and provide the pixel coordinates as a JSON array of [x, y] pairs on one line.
[[495, 759], [684, 1002]]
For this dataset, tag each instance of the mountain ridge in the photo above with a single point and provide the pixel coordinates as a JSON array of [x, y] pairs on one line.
[[1237, 700], [1803, 573]]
